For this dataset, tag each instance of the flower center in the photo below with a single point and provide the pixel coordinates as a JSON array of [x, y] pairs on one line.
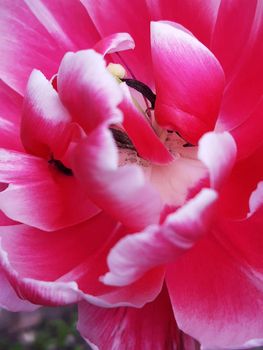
[[60, 166]]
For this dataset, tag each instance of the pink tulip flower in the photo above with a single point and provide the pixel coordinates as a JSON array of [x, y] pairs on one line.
[[113, 186]]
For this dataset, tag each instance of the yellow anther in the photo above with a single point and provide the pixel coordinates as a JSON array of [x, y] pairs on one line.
[[116, 70]]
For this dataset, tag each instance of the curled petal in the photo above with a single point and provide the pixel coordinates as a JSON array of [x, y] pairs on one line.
[[157, 245], [189, 81], [45, 125], [218, 153], [114, 43], [88, 90], [9, 300], [118, 191], [39, 195]]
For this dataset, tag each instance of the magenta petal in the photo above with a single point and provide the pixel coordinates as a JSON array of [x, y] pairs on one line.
[[88, 90], [189, 81], [39, 33], [10, 110], [218, 152], [39, 195], [118, 191], [43, 269], [223, 294], [114, 43], [137, 253], [144, 138], [150, 327], [45, 125], [130, 17], [9, 300], [199, 16]]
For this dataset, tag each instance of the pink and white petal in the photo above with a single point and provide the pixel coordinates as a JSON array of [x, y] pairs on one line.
[[240, 96], [133, 18], [150, 327], [218, 152], [64, 266], [67, 22], [37, 268], [9, 300], [114, 43], [45, 126], [10, 111], [223, 274], [40, 38], [39, 195], [256, 198], [142, 135], [157, 245], [115, 190], [189, 102], [88, 90], [199, 16]]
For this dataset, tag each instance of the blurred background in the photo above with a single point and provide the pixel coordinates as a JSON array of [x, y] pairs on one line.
[[44, 329]]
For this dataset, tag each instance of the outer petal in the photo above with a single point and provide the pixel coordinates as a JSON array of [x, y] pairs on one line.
[[45, 126], [64, 266], [39, 195], [241, 96], [199, 16], [151, 327], [224, 286], [10, 110], [88, 90], [145, 140], [9, 300], [131, 17], [39, 33], [189, 81], [218, 153], [118, 191], [232, 33], [157, 245]]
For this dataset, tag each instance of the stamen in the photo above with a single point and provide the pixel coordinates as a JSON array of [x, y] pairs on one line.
[[143, 89], [60, 166]]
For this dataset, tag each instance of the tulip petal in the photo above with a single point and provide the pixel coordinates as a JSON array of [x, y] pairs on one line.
[[224, 273], [39, 33], [245, 176], [189, 81], [135, 254], [199, 16], [218, 153], [10, 110], [151, 327], [39, 195], [64, 266], [144, 138], [45, 125], [114, 43], [88, 90], [133, 18], [9, 300], [241, 96], [115, 190]]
